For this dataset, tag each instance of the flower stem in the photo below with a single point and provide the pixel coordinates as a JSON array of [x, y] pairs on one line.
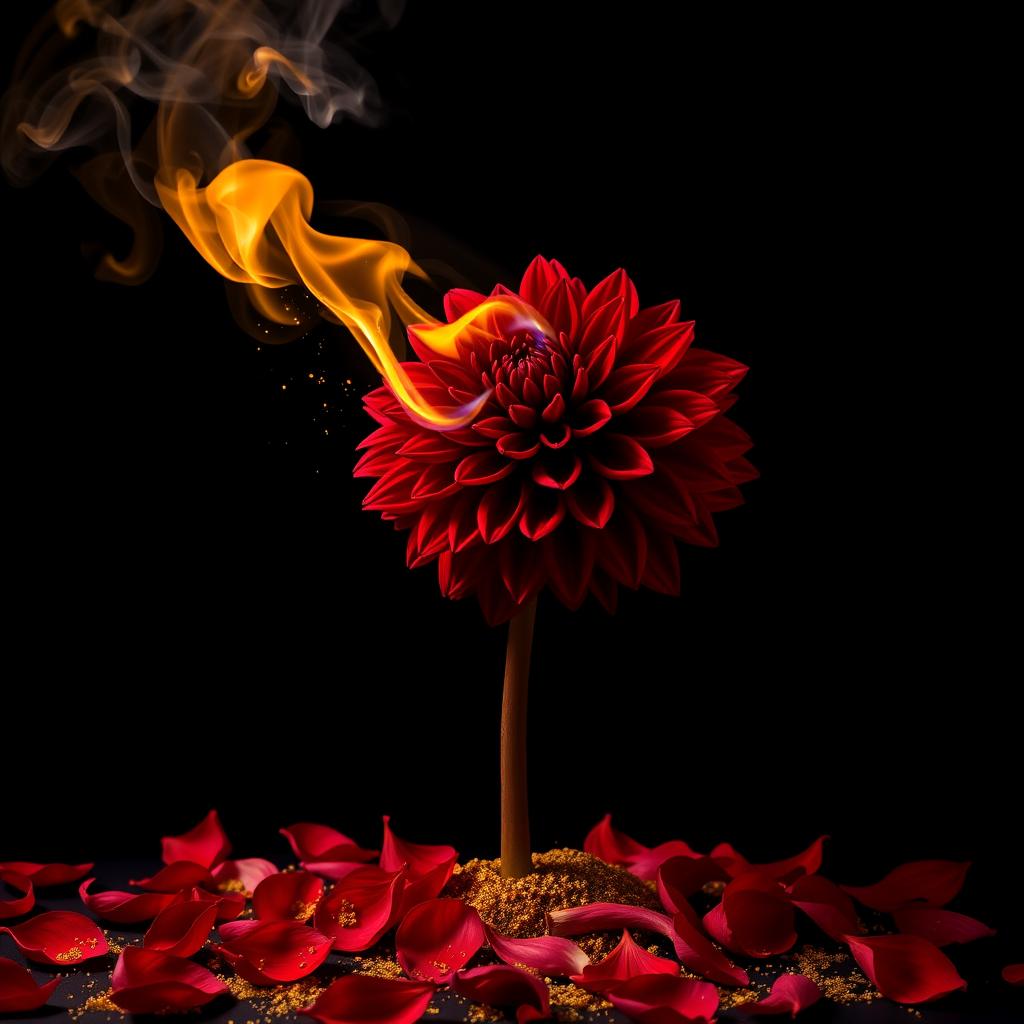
[[516, 859]]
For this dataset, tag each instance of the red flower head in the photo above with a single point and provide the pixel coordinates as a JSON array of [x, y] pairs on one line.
[[601, 443]]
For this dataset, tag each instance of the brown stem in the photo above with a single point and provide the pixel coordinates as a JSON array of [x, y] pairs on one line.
[[516, 860]]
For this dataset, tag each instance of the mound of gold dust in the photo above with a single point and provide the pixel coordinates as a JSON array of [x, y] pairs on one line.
[[831, 973], [277, 1000], [101, 1003], [561, 878]]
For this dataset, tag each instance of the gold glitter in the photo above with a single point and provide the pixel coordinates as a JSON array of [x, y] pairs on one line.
[[233, 885], [346, 914], [302, 911], [74, 953], [433, 1010], [276, 1000], [842, 985], [101, 1003], [477, 1013], [379, 967], [561, 878], [730, 998], [575, 998]]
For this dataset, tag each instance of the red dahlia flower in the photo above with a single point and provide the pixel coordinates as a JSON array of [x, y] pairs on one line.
[[602, 442]]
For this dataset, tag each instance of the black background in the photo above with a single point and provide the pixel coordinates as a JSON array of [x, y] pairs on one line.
[[199, 614]]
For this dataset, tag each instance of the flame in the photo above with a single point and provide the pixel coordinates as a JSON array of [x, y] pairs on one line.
[[214, 70]]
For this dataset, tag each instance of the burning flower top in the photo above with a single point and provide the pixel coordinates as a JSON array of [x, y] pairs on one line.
[[602, 442]]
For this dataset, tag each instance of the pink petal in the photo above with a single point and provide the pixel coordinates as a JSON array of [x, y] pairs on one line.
[[59, 937], [361, 907], [941, 927], [42, 875], [333, 869], [646, 866], [248, 872], [206, 844], [905, 968], [826, 905], [275, 951], [360, 999], [600, 917], [20, 904], [504, 987], [125, 907], [182, 874], [182, 928], [699, 954], [930, 883], [287, 896], [437, 938], [664, 999], [627, 960], [1013, 974], [790, 994], [19, 991], [549, 954], [150, 981], [680, 877]]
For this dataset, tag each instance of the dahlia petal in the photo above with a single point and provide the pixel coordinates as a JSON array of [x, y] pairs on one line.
[[608, 320], [125, 907], [374, 463], [616, 285], [699, 954], [627, 960], [522, 569], [362, 999], [433, 482], [940, 927], [554, 410], [524, 416], [580, 385], [182, 928], [59, 937], [548, 954], [275, 951], [654, 316], [43, 875], [518, 445], [570, 564], [905, 968], [680, 877], [619, 457], [206, 844], [287, 896], [19, 991], [662, 570], [598, 363], [826, 905], [483, 467], [247, 872], [499, 510], [532, 393], [600, 917], [759, 916], [493, 427], [623, 555], [590, 417], [361, 907], [1013, 974], [627, 385], [709, 373], [656, 426], [543, 511], [664, 999], [605, 590], [556, 435], [560, 307], [929, 883], [310, 841], [504, 987], [419, 859], [591, 502], [430, 446], [459, 301], [151, 981], [20, 904], [790, 994], [172, 878], [437, 938], [559, 473], [538, 279], [664, 346]]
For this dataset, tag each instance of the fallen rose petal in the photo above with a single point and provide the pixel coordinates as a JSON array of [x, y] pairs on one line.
[[504, 987], [313, 842], [242, 875], [941, 927], [419, 859], [19, 991], [287, 896], [361, 908], [428, 886], [826, 905], [549, 954], [437, 938], [20, 904], [42, 875], [790, 994], [1013, 974], [335, 870], [615, 847], [905, 968], [182, 874], [206, 844], [664, 999], [806, 863], [59, 937], [361, 999], [680, 877], [599, 917], [627, 960], [274, 951], [700, 955], [754, 917], [151, 981], [125, 907], [930, 883], [182, 928]]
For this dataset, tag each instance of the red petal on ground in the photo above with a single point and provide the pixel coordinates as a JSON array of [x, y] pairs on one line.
[[42, 875], [125, 907], [504, 987], [205, 844], [437, 938], [311, 841], [427, 887], [248, 873], [929, 883], [419, 858], [182, 874], [19, 991], [20, 904], [826, 905], [627, 960], [616, 847], [600, 917], [1013, 974], [333, 869], [182, 928], [361, 907], [274, 951], [59, 937], [806, 863], [905, 968], [680, 877], [549, 954], [287, 896], [699, 954], [758, 916], [941, 927], [360, 999], [663, 999], [149, 981], [790, 994]]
